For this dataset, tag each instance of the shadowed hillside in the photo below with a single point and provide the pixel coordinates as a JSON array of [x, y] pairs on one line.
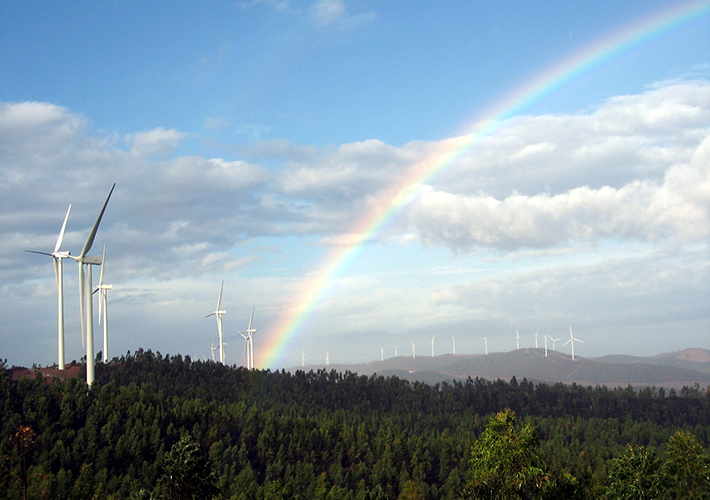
[[671, 370]]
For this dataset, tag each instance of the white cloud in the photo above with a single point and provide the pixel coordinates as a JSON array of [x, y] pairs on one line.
[[159, 141]]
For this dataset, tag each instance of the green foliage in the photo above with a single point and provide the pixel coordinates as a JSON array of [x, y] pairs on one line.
[[635, 475], [686, 467], [187, 473], [318, 434], [504, 462]]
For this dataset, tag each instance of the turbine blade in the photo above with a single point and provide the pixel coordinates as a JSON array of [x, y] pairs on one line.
[[103, 260], [251, 317], [56, 271], [81, 299], [92, 234], [570, 340], [61, 232], [210, 314], [102, 297], [219, 300], [37, 252]]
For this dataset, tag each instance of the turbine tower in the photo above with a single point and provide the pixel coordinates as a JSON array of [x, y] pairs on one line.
[[103, 303], [572, 340], [57, 257], [327, 358], [432, 346], [535, 340], [486, 341], [454, 342], [414, 352], [85, 299], [303, 358], [218, 313], [382, 353], [517, 340]]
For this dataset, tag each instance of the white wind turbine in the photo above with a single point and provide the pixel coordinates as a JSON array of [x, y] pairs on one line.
[[395, 351], [432, 346], [218, 313], [553, 343], [57, 257], [85, 299], [454, 342], [249, 336], [213, 348], [486, 341], [103, 303], [382, 353], [303, 358], [546, 337], [535, 340], [246, 349], [414, 352], [327, 358], [517, 340], [572, 340]]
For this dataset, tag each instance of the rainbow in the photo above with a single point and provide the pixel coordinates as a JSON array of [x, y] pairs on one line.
[[315, 289]]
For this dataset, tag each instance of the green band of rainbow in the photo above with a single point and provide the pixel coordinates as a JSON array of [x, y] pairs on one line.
[[291, 320]]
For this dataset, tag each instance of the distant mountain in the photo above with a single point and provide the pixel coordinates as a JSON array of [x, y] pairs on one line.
[[672, 370]]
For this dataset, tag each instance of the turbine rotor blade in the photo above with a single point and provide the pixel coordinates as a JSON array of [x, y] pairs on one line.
[[38, 252], [103, 259], [61, 232], [219, 300], [92, 234]]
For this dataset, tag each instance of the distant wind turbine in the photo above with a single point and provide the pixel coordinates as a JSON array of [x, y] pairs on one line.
[[432, 346], [486, 341], [414, 352], [249, 336], [57, 257], [572, 340], [327, 358], [553, 343], [535, 340], [517, 340], [303, 358], [103, 303], [454, 342], [218, 313], [85, 299], [395, 351], [546, 337], [213, 348]]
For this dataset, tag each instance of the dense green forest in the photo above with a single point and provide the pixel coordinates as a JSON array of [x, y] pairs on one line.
[[156, 426]]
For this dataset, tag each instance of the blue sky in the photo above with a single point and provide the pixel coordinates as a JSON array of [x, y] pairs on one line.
[[247, 137]]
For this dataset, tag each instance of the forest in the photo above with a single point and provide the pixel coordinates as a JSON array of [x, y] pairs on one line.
[[154, 426]]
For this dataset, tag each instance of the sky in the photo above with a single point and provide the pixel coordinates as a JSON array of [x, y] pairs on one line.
[[366, 175]]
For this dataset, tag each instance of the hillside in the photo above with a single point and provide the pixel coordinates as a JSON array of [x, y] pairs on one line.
[[673, 370]]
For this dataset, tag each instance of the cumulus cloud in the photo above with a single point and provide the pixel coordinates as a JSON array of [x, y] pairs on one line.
[[155, 142]]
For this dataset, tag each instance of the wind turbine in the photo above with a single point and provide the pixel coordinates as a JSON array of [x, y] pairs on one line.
[[57, 257], [85, 299], [103, 303], [246, 348], [553, 343], [395, 351], [218, 313], [535, 340], [432, 346], [454, 341], [249, 336], [546, 337], [382, 353], [327, 358], [486, 340], [414, 352], [517, 340], [572, 340], [213, 348], [303, 358]]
